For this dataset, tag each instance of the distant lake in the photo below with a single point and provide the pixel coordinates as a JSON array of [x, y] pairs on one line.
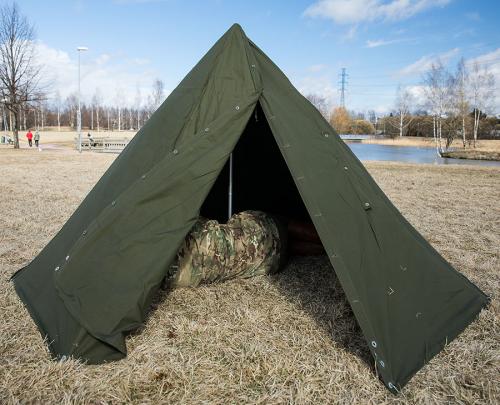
[[409, 154]]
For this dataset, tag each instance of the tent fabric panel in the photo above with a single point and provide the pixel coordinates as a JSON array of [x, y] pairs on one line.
[[112, 272], [404, 294], [151, 144]]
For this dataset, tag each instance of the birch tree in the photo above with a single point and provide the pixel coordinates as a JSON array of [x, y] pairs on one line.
[[19, 72], [438, 87], [71, 107], [96, 105], [138, 102], [461, 84], [403, 104], [158, 94], [119, 105], [57, 101], [481, 87]]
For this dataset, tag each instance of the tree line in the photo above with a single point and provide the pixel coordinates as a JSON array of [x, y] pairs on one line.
[[457, 101], [96, 115], [452, 104]]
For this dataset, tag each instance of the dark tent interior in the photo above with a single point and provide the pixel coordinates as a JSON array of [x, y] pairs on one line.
[[261, 178]]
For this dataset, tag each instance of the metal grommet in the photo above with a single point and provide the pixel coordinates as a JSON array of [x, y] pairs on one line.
[[374, 344], [367, 204], [326, 135], [67, 258], [392, 386], [253, 66], [381, 362], [175, 151], [84, 232], [345, 167], [207, 129], [57, 268], [237, 107], [113, 203]]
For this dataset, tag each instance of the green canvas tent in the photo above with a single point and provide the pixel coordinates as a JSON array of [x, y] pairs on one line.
[[93, 283]]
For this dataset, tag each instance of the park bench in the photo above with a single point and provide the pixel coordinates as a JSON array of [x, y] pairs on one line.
[[103, 144]]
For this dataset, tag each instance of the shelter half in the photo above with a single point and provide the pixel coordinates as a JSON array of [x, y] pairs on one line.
[[94, 282]]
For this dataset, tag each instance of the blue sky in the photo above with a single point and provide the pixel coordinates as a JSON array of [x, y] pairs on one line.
[[380, 43]]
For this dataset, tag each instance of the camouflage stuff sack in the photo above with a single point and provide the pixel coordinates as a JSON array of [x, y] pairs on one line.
[[249, 244]]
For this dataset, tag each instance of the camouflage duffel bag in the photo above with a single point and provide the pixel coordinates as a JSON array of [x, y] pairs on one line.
[[249, 244]]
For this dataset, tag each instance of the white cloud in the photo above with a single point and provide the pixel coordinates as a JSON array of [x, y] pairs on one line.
[[491, 60], [418, 94], [378, 42], [473, 16], [317, 68], [355, 11], [320, 85], [141, 61], [351, 33], [425, 62], [383, 42], [138, 1], [109, 73]]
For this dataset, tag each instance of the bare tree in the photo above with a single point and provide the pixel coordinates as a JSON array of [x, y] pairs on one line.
[[461, 84], [96, 105], [438, 87], [19, 72], [403, 104], [71, 107], [119, 103], [57, 101], [482, 87], [158, 94], [137, 102], [320, 103]]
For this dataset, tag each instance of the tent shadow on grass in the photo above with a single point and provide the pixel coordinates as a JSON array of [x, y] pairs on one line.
[[311, 284]]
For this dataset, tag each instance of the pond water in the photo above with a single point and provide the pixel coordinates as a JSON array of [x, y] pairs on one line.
[[410, 154]]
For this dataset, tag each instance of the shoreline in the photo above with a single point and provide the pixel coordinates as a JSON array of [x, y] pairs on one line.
[[471, 154], [486, 149]]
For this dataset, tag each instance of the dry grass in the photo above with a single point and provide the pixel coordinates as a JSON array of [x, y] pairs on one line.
[[287, 339]]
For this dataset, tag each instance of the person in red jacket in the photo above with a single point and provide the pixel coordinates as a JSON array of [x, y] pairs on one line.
[[29, 135]]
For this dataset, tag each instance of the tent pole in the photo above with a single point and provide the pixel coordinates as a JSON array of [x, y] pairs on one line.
[[230, 193]]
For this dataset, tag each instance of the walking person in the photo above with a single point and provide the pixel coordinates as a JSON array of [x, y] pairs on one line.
[[37, 138], [29, 135]]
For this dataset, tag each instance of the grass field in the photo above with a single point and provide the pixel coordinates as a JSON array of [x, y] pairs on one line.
[[290, 338]]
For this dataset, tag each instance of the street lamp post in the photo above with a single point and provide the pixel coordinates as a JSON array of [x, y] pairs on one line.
[[79, 114]]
